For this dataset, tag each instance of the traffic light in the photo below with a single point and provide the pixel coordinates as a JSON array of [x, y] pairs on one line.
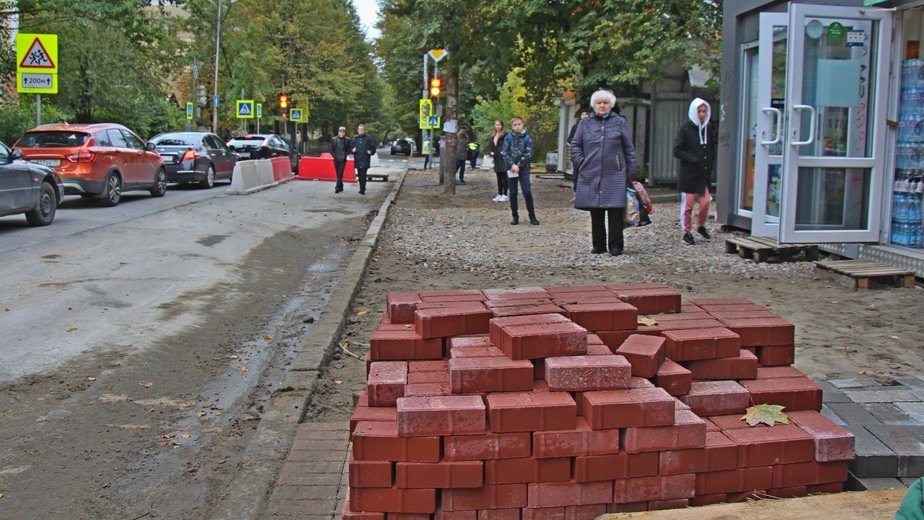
[[436, 84], [283, 103]]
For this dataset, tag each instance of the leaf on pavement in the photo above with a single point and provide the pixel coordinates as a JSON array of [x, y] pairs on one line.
[[338, 382], [362, 312], [648, 322], [765, 413], [267, 337], [71, 329], [145, 384], [245, 369], [200, 414]]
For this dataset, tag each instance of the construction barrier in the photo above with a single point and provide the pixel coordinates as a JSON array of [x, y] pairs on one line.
[[251, 174], [282, 168], [322, 169]]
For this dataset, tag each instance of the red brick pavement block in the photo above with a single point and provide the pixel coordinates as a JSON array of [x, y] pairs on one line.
[[728, 422], [678, 462], [517, 302], [614, 338], [442, 475], [452, 295], [427, 377], [832, 443], [373, 413], [579, 441], [743, 314], [767, 446], [776, 355], [348, 514], [598, 349], [380, 441], [473, 340], [516, 293], [470, 514], [663, 326], [742, 367], [414, 367], [531, 411], [602, 316], [541, 341], [810, 473], [400, 306], [636, 507], [645, 353], [525, 310], [708, 398], [393, 500], [476, 352], [697, 315], [644, 489], [788, 492], [441, 415], [513, 471], [778, 372], [708, 500], [582, 373], [710, 343], [370, 473], [496, 324], [687, 432], [499, 514], [490, 496], [734, 481], [761, 332], [661, 505], [589, 288], [623, 408], [595, 468], [427, 389], [673, 378], [552, 494], [640, 382], [394, 345], [449, 321], [564, 512], [651, 301], [791, 392], [385, 383], [487, 447], [721, 452], [708, 301], [480, 375]]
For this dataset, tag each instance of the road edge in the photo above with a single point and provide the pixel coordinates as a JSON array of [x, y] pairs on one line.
[[248, 493]]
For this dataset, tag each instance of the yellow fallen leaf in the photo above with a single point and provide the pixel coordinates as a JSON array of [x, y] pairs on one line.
[[765, 413], [91, 379], [362, 312], [71, 329], [245, 369], [200, 414], [1, 495], [267, 337], [648, 322], [145, 384], [337, 381]]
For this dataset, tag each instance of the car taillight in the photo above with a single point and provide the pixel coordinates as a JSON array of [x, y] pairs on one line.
[[190, 155], [81, 157]]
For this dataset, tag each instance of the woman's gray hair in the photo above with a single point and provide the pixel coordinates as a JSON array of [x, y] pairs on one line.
[[607, 94]]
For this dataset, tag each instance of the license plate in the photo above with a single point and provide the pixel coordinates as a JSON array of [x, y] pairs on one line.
[[47, 162]]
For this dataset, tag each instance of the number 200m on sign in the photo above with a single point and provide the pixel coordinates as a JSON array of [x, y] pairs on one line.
[[36, 81]]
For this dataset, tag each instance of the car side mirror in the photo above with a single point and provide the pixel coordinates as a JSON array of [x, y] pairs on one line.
[[15, 155], [231, 147], [149, 146]]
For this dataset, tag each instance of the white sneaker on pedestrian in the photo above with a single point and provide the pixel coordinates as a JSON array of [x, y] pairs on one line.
[[504, 198], [496, 198]]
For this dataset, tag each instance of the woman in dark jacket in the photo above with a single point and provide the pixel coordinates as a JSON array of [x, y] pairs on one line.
[[695, 146], [602, 148], [500, 169]]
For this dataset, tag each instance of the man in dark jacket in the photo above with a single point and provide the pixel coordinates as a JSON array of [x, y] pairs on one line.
[[363, 150], [340, 147], [695, 146]]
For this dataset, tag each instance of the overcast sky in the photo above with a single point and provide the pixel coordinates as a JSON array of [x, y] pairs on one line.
[[368, 13]]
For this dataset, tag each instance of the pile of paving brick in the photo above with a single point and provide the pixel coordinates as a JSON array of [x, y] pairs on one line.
[[570, 402]]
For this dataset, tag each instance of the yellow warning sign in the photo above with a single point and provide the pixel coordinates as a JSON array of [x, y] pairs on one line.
[[37, 53], [437, 54]]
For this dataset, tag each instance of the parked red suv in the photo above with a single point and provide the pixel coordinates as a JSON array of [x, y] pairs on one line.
[[99, 160]]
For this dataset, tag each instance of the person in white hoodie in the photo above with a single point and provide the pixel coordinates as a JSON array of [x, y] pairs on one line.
[[695, 147]]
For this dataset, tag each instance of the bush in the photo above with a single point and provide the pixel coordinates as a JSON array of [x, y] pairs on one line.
[[18, 115]]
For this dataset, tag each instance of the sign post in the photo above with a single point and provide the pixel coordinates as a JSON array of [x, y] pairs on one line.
[[37, 67]]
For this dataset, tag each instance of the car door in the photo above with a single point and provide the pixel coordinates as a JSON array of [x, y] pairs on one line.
[[221, 156], [122, 156], [16, 186], [144, 163]]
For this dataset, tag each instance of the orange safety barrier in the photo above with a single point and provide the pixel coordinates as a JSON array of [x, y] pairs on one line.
[[322, 169], [282, 168]]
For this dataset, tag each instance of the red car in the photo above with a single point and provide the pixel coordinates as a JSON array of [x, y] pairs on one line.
[[100, 160]]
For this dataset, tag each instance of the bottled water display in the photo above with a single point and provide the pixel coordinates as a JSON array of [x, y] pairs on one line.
[[909, 159]]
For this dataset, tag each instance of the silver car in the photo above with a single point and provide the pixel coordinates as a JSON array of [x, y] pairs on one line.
[[28, 188]]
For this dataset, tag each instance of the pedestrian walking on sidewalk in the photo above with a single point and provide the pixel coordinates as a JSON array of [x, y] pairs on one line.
[[461, 153], [500, 169], [473, 151], [425, 151], [518, 155], [340, 147], [695, 146], [602, 148], [363, 149]]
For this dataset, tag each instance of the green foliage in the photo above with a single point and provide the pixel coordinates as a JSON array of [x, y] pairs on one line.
[[512, 100], [18, 116]]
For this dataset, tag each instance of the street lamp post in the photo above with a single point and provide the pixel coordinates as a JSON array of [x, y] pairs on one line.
[[215, 93]]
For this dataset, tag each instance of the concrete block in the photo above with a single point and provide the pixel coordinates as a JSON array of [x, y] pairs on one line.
[[853, 414], [832, 394], [914, 409], [889, 413], [874, 459], [908, 443], [880, 396], [827, 412], [855, 383], [855, 483]]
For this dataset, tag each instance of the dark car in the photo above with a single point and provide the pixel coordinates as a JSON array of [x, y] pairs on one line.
[[199, 157], [100, 160], [263, 146], [401, 146], [32, 189]]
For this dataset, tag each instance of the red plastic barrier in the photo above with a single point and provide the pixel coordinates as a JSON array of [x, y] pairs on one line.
[[322, 169], [282, 168]]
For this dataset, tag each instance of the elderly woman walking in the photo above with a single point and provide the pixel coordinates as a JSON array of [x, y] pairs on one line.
[[603, 150]]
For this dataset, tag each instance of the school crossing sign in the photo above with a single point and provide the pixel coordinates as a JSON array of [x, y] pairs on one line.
[[37, 63]]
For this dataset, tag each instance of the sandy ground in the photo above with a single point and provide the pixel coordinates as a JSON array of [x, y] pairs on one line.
[[433, 241]]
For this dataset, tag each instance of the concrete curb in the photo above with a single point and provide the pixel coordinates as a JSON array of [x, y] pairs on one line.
[[247, 495], [259, 188]]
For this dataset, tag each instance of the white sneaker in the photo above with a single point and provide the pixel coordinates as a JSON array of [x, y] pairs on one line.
[[504, 198], [496, 198]]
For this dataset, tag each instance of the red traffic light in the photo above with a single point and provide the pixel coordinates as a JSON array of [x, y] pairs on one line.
[[436, 84]]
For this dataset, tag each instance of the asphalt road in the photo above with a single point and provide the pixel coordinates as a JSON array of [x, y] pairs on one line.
[[138, 344]]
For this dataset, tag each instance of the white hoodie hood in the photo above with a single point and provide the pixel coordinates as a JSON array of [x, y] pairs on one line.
[[694, 117]]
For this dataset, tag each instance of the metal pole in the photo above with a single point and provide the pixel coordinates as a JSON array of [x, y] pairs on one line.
[[423, 132], [38, 109], [215, 94]]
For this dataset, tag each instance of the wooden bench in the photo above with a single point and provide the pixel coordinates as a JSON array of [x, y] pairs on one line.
[[764, 249], [864, 274]]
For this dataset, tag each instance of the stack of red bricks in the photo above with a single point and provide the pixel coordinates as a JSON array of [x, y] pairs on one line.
[[570, 402]]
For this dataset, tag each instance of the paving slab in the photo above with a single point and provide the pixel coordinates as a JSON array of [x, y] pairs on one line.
[[831, 393], [854, 383], [874, 458], [889, 413], [908, 443], [880, 396], [853, 414], [914, 410]]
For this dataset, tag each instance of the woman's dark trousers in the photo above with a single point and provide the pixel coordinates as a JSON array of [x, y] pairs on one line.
[[614, 220]]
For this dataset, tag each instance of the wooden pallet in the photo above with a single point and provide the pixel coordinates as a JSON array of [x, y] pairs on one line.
[[763, 249], [864, 274]]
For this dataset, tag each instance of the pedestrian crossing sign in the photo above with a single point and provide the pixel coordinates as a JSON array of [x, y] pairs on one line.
[[425, 113], [245, 109], [297, 115]]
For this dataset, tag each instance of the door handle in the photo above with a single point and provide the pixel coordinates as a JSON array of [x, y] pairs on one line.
[[811, 136], [779, 125]]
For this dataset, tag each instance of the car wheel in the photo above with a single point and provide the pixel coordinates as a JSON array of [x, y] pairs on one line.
[[209, 180], [44, 211], [112, 193], [160, 183]]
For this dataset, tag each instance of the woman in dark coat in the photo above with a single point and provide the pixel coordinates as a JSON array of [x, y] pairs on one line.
[[363, 149], [695, 146], [500, 169], [602, 148]]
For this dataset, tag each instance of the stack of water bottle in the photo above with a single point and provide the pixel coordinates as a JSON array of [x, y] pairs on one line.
[[909, 159]]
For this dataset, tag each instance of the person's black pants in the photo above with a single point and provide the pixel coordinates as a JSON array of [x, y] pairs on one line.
[[338, 167], [606, 226], [501, 183], [460, 168], [361, 176]]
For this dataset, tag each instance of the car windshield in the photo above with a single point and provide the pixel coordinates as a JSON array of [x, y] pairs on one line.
[[53, 139], [174, 141], [241, 143]]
